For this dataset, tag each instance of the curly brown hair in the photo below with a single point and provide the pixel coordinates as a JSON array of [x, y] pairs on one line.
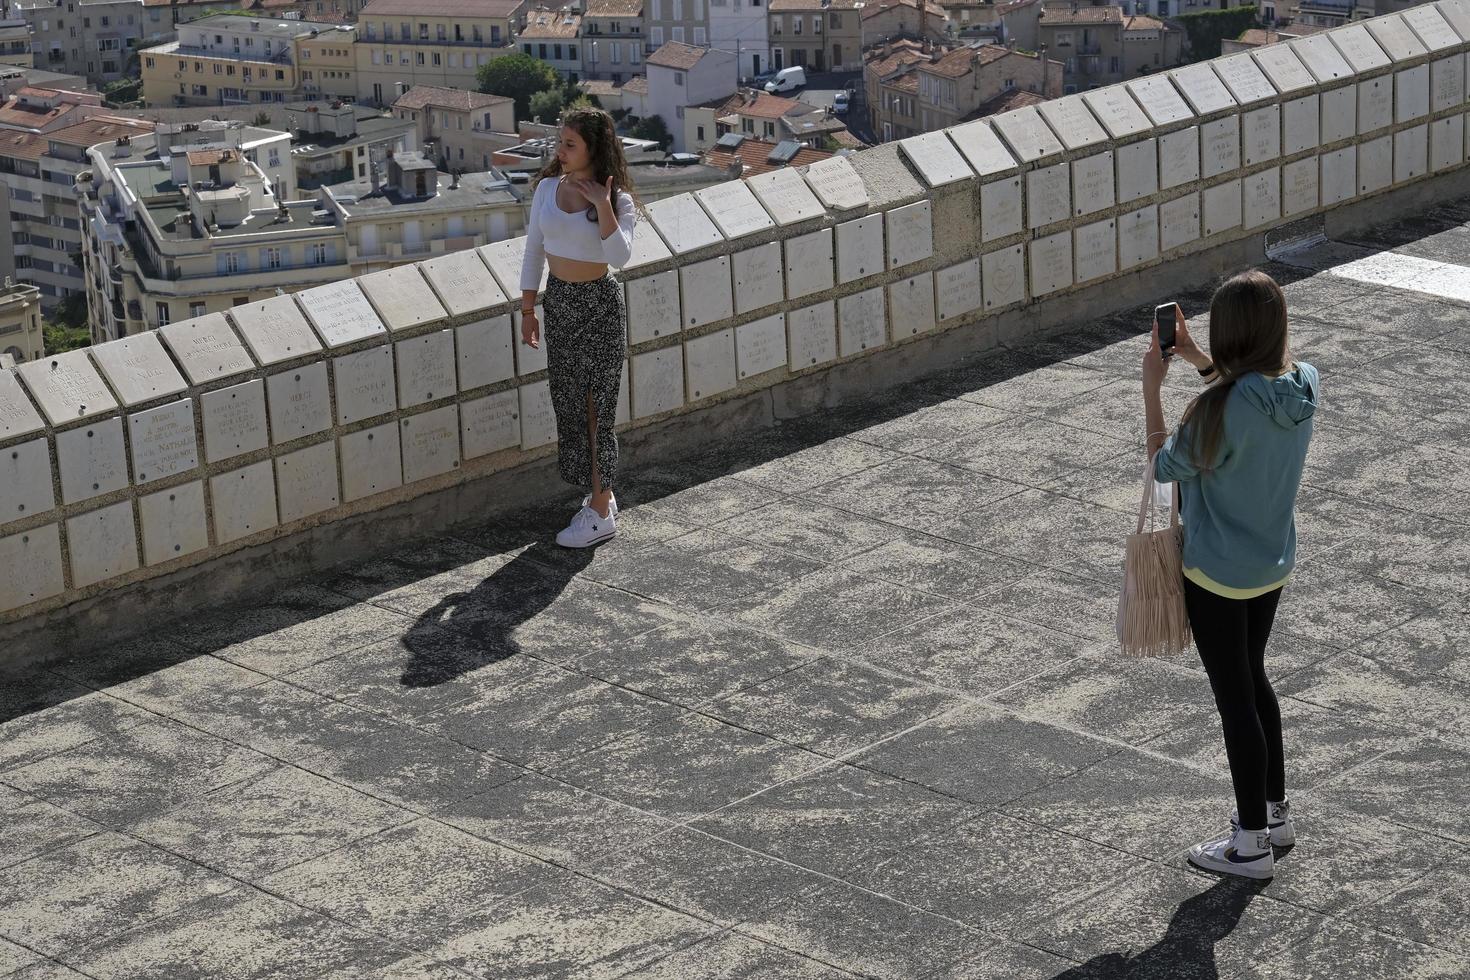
[[597, 130]]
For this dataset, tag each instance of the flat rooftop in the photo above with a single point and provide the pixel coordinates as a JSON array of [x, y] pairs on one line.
[[470, 193], [841, 700]]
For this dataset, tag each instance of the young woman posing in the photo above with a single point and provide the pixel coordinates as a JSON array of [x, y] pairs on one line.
[[582, 215], [1237, 456]]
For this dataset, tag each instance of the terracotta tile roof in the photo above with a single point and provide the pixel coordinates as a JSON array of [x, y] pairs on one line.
[[885, 60], [962, 61], [547, 25], [785, 6], [422, 96], [497, 9], [884, 6], [27, 117], [1013, 6], [1082, 15], [22, 146], [766, 106], [1004, 102], [1143, 22], [99, 129], [614, 8], [637, 85], [845, 138], [676, 54], [599, 86], [908, 83], [753, 155], [205, 158]]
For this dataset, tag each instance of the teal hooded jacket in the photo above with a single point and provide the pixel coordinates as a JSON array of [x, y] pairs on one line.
[[1240, 515]]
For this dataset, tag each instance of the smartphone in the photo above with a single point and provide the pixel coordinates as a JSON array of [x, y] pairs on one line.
[[1164, 315]]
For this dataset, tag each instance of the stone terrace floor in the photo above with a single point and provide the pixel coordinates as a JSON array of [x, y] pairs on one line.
[[841, 700]]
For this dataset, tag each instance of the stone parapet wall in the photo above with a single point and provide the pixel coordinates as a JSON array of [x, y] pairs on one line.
[[144, 456]]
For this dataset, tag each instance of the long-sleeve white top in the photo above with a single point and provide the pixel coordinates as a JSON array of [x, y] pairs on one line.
[[552, 231]]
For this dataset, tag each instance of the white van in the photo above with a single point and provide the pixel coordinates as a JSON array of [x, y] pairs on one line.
[[787, 79]]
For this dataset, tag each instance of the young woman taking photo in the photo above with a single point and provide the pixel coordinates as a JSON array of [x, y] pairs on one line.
[[582, 215], [1237, 457]]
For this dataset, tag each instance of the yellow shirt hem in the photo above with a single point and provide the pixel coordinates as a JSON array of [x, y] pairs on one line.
[[1210, 585]]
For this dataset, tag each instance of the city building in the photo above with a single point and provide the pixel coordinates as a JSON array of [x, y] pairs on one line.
[[13, 79], [335, 142], [891, 88], [553, 37], [885, 20], [1015, 21], [681, 75], [461, 129], [612, 39], [403, 43], [820, 35], [34, 109], [1150, 45], [328, 65], [919, 87], [15, 43], [1255, 37], [757, 114], [20, 322], [91, 38], [741, 26], [677, 21], [1089, 43], [745, 156]]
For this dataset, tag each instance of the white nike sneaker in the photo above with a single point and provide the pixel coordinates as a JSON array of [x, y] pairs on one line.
[[1246, 853], [588, 528], [1278, 823], [612, 503]]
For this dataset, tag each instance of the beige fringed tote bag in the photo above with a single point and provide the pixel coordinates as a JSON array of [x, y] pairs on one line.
[[1152, 621]]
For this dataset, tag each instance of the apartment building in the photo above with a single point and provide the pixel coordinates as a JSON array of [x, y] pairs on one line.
[[403, 43], [20, 322], [822, 35], [334, 142], [1256, 37], [554, 38], [740, 26], [612, 39], [230, 59], [41, 109], [891, 88], [15, 43], [1089, 43], [758, 115], [681, 75], [884, 20], [91, 38], [678, 21], [464, 128], [920, 88], [328, 65], [1015, 21], [1150, 45]]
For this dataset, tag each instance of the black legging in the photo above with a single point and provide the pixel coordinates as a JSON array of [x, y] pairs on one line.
[[1231, 635]]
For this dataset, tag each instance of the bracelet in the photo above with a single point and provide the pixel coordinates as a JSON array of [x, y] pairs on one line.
[[526, 312], [1205, 372]]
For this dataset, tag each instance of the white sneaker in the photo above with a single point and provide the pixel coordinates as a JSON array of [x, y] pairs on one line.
[[612, 503], [588, 528], [1246, 853], [1278, 823]]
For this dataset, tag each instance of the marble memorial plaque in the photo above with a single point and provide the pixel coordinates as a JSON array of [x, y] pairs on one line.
[[1300, 187], [658, 381], [859, 248], [1138, 170], [1283, 68], [365, 385], [173, 523], [648, 247], [1026, 134], [1375, 104], [1260, 132], [1073, 122], [1138, 237], [910, 234], [504, 261], [1051, 263], [1394, 37], [430, 443], [485, 353], [1339, 175], [91, 460], [1000, 209], [911, 304], [234, 420], [1447, 82], [957, 289], [812, 332], [1375, 165], [299, 402], [275, 330], [1178, 222], [341, 313], [306, 481], [538, 419], [1358, 48], [18, 417], [1202, 88], [837, 185], [1430, 27], [1411, 94], [425, 368], [1299, 122], [1261, 198], [138, 368], [709, 364], [1048, 195], [1117, 111], [25, 480], [1004, 275], [1219, 146], [759, 278], [862, 322], [786, 196], [1322, 59], [163, 441], [243, 502], [462, 282], [936, 158], [1096, 250], [1446, 143], [490, 424], [401, 295], [1159, 99], [653, 306], [1244, 78], [66, 386], [1410, 154], [1092, 183], [207, 348], [30, 567], [103, 544], [986, 154], [529, 359], [809, 266], [760, 345], [1221, 207], [705, 287], [372, 461], [734, 209], [1339, 112], [1179, 158]]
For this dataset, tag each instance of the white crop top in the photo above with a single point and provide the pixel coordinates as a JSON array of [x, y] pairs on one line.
[[571, 236]]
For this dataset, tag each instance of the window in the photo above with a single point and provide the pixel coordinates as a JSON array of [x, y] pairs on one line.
[[106, 21], [272, 258], [423, 32], [678, 10], [556, 51], [319, 253], [542, 49], [796, 26], [419, 57], [657, 9], [679, 78], [372, 32], [476, 34], [656, 36], [635, 54], [1064, 39], [442, 33], [1009, 83], [617, 54], [677, 34], [196, 309], [162, 310], [275, 156], [1070, 65], [405, 32], [699, 37], [280, 75], [436, 59], [219, 69], [817, 24], [1113, 64], [775, 26], [86, 22], [834, 21], [699, 133]]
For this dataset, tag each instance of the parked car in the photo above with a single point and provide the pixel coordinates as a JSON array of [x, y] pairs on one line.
[[840, 102], [788, 80]]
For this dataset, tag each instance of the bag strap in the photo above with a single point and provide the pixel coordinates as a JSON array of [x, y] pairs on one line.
[[1146, 506]]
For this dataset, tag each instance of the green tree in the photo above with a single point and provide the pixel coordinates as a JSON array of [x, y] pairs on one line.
[[67, 328], [546, 105], [653, 128], [1208, 28], [519, 77]]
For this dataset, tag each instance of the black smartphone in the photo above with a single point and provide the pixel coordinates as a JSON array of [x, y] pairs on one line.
[[1164, 315]]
